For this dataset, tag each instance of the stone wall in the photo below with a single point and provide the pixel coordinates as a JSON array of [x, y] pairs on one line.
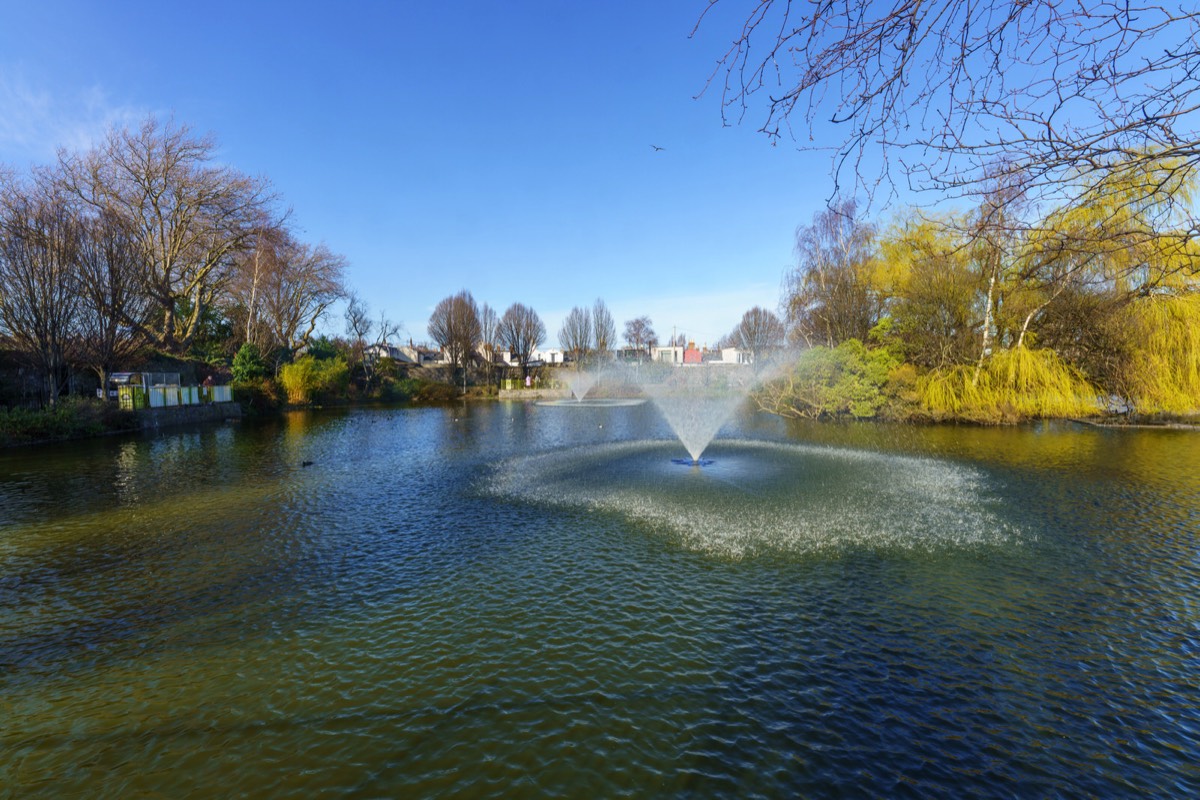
[[534, 394], [155, 418]]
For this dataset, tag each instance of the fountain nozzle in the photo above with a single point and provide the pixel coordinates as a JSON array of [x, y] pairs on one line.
[[692, 462]]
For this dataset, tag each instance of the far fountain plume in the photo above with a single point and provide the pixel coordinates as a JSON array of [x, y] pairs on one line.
[[580, 381]]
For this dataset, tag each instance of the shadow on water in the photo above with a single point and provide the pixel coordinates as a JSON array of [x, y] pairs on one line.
[[183, 528]]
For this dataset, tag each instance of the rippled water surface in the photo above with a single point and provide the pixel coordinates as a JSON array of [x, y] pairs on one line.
[[517, 600]]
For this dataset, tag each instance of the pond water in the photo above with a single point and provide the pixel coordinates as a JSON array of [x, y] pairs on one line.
[[515, 600]]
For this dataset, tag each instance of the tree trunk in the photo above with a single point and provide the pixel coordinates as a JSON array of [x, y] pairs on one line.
[[1034, 313], [52, 384], [102, 374], [253, 292], [987, 325]]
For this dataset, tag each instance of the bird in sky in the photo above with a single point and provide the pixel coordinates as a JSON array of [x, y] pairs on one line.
[[656, 147]]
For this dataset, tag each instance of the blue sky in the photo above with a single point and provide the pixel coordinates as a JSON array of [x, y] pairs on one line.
[[501, 147]]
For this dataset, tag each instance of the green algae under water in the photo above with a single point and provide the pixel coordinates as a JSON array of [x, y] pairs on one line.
[[519, 600]]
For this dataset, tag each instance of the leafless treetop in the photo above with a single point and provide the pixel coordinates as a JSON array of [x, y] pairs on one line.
[[944, 91]]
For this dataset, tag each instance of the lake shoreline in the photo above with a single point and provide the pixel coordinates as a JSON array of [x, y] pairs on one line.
[[236, 412]]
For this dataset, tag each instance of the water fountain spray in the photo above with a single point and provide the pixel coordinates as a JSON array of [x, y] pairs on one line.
[[696, 400]]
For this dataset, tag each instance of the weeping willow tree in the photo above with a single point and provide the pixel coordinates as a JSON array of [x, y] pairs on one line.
[[1162, 369], [998, 317], [1012, 384], [933, 289], [1095, 301], [1126, 235], [1117, 278]]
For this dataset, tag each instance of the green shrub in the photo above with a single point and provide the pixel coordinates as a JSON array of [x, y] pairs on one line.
[[70, 418], [248, 364], [847, 380], [259, 396], [435, 393], [397, 390], [322, 348]]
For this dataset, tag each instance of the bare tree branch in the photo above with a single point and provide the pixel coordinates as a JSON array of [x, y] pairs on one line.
[[522, 331], [188, 217], [39, 278], [575, 336], [1053, 91]]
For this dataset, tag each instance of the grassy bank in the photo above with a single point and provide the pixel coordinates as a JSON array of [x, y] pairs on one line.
[[70, 418]]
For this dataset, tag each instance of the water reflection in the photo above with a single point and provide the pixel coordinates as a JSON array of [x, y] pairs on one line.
[[505, 599]]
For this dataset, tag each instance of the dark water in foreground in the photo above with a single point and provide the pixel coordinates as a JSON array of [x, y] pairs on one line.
[[509, 600]]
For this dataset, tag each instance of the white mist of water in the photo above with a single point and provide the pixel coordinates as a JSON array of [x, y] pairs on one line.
[[580, 381], [695, 419], [696, 400], [771, 497]]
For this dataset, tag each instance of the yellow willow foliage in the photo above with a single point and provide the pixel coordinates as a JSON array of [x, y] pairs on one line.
[[1164, 369], [308, 377], [1020, 383], [1122, 227], [910, 241]]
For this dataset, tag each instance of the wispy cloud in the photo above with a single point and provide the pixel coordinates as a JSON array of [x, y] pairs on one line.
[[35, 121]]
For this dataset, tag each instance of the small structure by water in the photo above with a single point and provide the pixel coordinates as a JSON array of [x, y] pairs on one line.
[[138, 390]]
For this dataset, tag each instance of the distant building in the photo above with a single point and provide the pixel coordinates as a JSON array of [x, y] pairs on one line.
[[537, 358], [734, 355], [671, 354], [680, 355], [628, 354], [551, 356], [408, 354], [380, 351]]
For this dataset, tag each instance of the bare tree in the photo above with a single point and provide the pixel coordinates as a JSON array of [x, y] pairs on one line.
[[1051, 91], [454, 325], [250, 270], [489, 337], [39, 278], [829, 297], [760, 332], [386, 330], [575, 336], [522, 331], [284, 287], [113, 309], [604, 330], [368, 337], [359, 326], [639, 334], [187, 216]]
